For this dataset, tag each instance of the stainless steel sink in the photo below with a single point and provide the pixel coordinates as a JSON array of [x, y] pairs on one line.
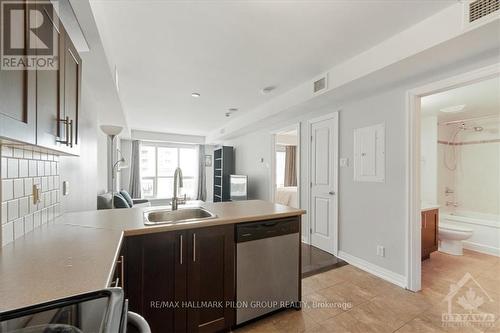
[[177, 216]]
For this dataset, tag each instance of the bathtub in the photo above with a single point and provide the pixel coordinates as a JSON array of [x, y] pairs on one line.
[[485, 227]]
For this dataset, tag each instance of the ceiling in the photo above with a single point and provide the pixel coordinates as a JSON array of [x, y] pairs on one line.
[[228, 51], [480, 99]]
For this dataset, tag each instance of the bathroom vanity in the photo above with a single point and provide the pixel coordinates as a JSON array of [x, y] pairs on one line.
[[429, 230]]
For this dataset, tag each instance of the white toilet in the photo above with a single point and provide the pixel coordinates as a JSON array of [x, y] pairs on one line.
[[451, 237]]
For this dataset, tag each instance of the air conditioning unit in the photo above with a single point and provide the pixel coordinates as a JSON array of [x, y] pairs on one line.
[[479, 12]]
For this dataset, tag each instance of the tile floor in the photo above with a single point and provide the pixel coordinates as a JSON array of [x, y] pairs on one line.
[[378, 306]]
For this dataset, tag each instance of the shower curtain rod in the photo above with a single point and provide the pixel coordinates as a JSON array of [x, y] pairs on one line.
[[468, 119]]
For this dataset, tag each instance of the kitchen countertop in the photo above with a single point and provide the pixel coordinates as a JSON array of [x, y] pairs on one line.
[[77, 252], [426, 206]]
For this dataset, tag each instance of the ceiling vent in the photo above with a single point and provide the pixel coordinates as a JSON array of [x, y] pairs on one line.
[[481, 8], [320, 84]]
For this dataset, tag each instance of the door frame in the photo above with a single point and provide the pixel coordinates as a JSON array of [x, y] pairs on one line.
[[272, 193], [335, 116], [413, 232]]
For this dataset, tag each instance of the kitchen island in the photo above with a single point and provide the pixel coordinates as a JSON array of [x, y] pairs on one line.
[[78, 253]]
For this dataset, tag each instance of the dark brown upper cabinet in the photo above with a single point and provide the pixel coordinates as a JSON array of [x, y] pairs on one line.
[[18, 101], [39, 106]]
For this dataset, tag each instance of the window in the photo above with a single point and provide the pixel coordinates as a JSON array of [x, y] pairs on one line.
[[158, 164]]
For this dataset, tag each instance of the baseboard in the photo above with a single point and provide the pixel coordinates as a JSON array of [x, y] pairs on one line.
[[366, 266], [486, 249]]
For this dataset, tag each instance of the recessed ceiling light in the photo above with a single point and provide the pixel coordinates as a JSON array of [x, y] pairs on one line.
[[267, 90], [195, 95], [454, 108]]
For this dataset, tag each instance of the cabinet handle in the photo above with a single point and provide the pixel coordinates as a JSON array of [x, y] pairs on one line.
[[71, 133], [122, 271], [194, 247], [66, 125], [180, 250]]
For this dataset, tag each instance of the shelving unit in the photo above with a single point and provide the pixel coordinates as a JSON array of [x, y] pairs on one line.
[[223, 167]]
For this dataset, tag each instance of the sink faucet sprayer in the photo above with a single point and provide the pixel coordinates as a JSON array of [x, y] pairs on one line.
[[177, 177]]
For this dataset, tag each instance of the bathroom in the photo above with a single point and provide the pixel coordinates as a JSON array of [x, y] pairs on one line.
[[460, 167]]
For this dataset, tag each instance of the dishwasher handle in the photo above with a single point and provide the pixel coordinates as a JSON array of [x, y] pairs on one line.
[[265, 229]]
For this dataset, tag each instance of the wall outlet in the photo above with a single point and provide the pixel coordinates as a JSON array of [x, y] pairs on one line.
[[380, 251]]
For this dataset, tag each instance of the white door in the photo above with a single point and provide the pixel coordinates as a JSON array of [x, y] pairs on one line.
[[323, 175]]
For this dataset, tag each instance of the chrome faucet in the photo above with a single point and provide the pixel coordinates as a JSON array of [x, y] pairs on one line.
[[177, 178]]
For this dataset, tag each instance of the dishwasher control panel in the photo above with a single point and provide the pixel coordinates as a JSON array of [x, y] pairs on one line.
[[265, 229]]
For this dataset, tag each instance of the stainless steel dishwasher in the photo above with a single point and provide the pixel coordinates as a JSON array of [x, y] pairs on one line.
[[267, 267]]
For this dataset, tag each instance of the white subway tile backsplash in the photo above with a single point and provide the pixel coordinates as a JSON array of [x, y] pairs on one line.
[[28, 154], [28, 186], [40, 168], [48, 168], [24, 206], [32, 168], [18, 187], [18, 228], [19, 153], [7, 189], [6, 151], [7, 233], [37, 219], [12, 168], [4, 213], [21, 168], [45, 215], [28, 223], [12, 210], [45, 184], [3, 166]]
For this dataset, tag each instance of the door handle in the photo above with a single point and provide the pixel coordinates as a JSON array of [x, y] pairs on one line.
[[331, 192]]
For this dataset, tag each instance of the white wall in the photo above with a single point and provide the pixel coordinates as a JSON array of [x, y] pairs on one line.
[[429, 159], [370, 214], [126, 150], [82, 172], [253, 158]]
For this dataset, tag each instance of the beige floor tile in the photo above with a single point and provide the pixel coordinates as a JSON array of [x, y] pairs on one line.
[[377, 316], [346, 323], [261, 326], [294, 321], [420, 325], [319, 308], [347, 292], [312, 284]]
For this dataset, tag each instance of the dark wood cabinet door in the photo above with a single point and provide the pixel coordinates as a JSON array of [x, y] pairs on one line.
[[155, 279], [18, 100], [430, 228], [72, 71], [211, 255], [50, 95]]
